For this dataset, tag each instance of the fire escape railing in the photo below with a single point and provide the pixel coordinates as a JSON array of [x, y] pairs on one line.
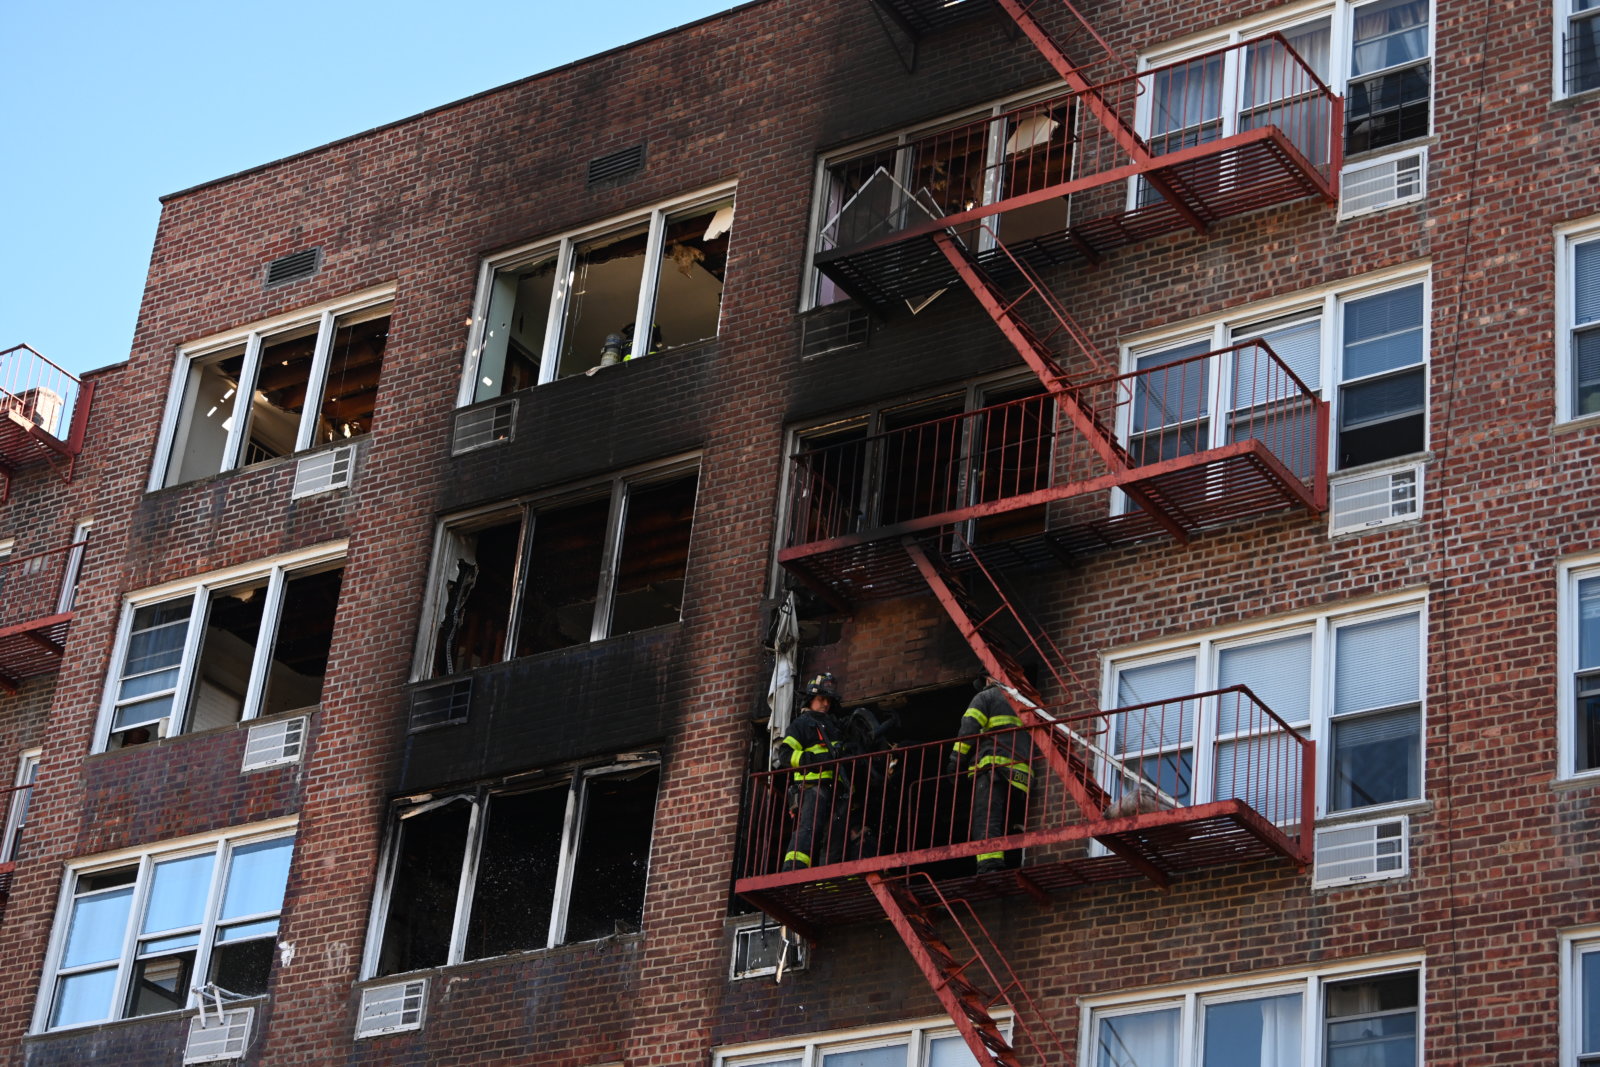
[[43, 414], [1147, 763], [36, 602], [1061, 146], [1018, 454]]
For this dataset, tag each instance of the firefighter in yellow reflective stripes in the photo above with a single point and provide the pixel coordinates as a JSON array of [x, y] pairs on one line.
[[817, 799], [998, 759]]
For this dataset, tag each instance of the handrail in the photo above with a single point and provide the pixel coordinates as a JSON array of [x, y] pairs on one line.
[[38, 585], [42, 392]]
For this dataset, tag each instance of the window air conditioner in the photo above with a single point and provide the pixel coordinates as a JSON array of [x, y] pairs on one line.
[[324, 471], [758, 948], [274, 743], [218, 1036], [1362, 852], [1375, 499], [390, 1009], [481, 427], [1385, 183]]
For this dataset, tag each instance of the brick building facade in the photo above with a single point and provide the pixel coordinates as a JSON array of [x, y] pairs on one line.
[[1221, 380]]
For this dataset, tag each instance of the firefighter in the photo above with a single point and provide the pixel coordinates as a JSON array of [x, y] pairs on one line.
[[816, 796], [1000, 768]]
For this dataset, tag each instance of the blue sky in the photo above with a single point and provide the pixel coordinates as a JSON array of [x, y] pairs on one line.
[[107, 106]]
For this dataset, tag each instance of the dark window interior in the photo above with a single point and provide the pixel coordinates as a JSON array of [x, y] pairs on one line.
[[608, 880], [422, 897], [516, 883]]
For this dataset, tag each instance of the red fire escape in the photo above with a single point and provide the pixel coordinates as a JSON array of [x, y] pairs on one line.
[[1094, 460], [43, 414]]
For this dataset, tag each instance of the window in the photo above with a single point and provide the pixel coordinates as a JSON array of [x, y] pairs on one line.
[[931, 1044], [135, 934], [1354, 679], [490, 871], [1368, 1020], [1579, 654], [897, 463], [1578, 306], [1377, 55], [1578, 63], [940, 168], [217, 650], [570, 304], [1580, 1007], [16, 804], [562, 570], [1370, 339], [312, 379]]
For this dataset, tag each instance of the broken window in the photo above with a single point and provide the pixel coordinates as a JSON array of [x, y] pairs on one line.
[[137, 938], [496, 870], [261, 647], [550, 573], [577, 302], [310, 382]]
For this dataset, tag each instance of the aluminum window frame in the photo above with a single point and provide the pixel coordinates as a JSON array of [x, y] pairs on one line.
[[1206, 648], [198, 591], [1565, 15], [574, 781], [1569, 575], [144, 860], [1192, 998], [1568, 240], [617, 486], [192, 356], [563, 246], [916, 1037], [16, 815], [1573, 946]]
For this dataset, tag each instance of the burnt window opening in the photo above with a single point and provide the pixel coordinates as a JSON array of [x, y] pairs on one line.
[[492, 871], [576, 303], [172, 680], [310, 384], [551, 574]]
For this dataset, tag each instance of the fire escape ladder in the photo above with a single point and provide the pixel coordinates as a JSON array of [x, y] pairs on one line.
[[1021, 12], [971, 977], [1031, 347]]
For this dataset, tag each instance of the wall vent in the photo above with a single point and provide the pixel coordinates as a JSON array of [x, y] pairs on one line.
[[758, 948], [1363, 852], [390, 1009], [294, 267], [322, 471], [217, 1036], [441, 705], [1375, 499], [1384, 183], [273, 744], [481, 427], [616, 164]]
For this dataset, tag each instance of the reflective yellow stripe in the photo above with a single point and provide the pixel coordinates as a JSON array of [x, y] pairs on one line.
[[979, 717], [797, 857], [984, 857], [819, 750], [813, 776], [1005, 761], [962, 747], [1004, 720]]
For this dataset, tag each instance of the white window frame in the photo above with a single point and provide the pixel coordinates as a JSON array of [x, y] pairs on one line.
[[197, 590], [1565, 14], [192, 355], [1191, 999], [1574, 946], [572, 833], [898, 140], [18, 802], [615, 486], [564, 245], [916, 1037], [1569, 573], [221, 844], [1327, 304], [1341, 36], [1568, 239], [1323, 628]]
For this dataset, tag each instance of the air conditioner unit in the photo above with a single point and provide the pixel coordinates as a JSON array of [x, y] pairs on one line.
[[391, 1009], [1362, 852], [217, 1036], [758, 948], [324, 471], [1375, 499], [443, 704], [1365, 187], [481, 427], [273, 744]]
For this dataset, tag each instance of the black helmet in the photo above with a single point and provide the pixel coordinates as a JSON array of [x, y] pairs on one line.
[[823, 685]]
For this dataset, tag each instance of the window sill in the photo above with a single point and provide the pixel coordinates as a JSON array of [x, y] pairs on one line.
[[465, 967], [1398, 147], [1376, 811], [1572, 782], [1578, 424], [233, 727], [274, 463], [137, 1020], [1587, 96]]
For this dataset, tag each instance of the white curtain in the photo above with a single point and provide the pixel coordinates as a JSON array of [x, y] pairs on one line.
[[786, 652], [1148, 1039]]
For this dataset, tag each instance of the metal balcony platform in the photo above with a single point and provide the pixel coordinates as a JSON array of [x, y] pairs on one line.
[[926, 16], [35, 612], [43, 414]]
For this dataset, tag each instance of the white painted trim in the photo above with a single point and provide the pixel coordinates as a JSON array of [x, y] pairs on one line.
[[808, 1047], [1568, 237], [1569, 572]]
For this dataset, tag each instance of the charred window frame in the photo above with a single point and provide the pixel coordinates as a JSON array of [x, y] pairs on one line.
[[312, 379], [570, 304], [134, 934], [260, 648], [561, 570], [969, 169], [523, 865]]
